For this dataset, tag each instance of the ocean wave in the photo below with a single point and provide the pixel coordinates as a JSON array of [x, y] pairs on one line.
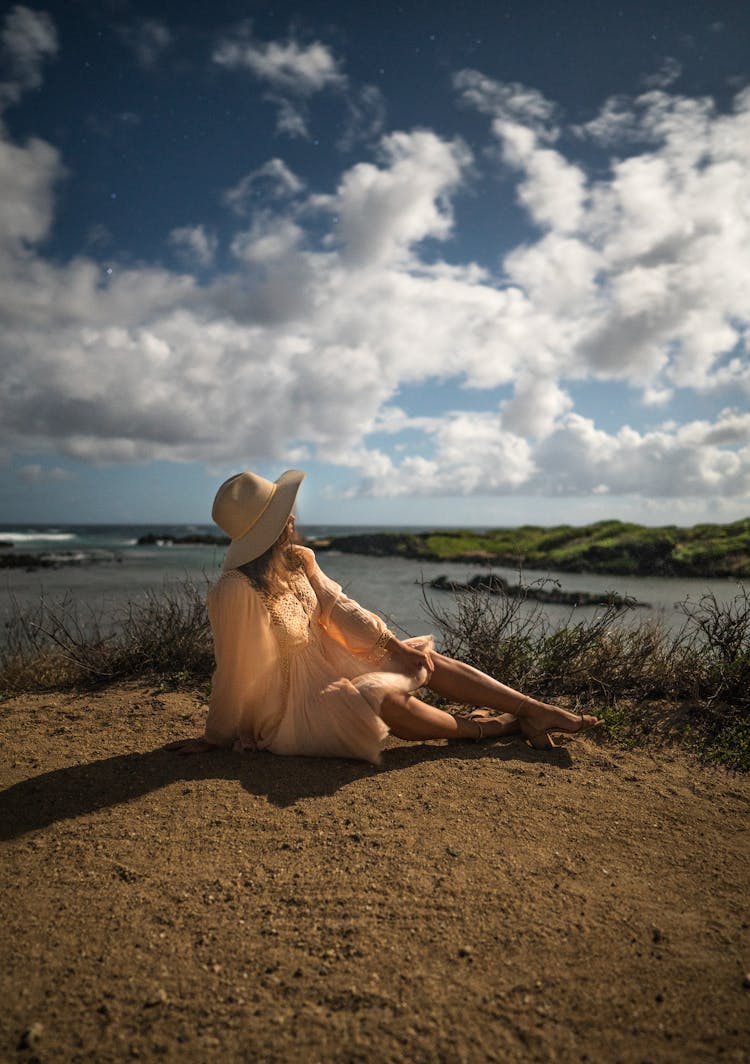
[[32, 537]]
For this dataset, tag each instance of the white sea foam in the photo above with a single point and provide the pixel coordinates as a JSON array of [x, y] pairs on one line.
[[33, 537]]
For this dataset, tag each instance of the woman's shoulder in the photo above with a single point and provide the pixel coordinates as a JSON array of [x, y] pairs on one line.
[[232, 583], [306, 557]]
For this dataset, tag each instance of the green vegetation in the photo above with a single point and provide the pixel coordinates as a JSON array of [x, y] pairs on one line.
[[615, 547], [648, 683]]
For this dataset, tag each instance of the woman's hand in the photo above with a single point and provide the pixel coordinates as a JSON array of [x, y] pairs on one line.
[[409, 659], [306, 556], [190, 746]]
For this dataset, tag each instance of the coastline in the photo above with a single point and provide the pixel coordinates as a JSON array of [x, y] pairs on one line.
[[606, 547]]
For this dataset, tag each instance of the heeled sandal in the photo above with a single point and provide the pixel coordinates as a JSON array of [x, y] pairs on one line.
[[542, 739]]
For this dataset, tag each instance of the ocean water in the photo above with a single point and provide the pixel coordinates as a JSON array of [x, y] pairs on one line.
[[111, 568]]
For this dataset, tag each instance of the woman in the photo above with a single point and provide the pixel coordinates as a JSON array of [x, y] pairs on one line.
[[303, 669]]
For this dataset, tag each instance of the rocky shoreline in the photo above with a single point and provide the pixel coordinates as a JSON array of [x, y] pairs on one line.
[[53, 559], [56, 559], [493, 584]]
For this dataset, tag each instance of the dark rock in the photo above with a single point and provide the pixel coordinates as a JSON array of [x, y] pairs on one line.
[[32, 1036], [493, 584], [48, 560], [378, 545], [26, 561]]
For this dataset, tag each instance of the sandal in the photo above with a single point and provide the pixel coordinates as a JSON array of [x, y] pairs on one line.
[[542, 740]]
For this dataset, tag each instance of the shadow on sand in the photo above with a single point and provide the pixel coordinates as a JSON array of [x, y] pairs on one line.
[[79, 790]]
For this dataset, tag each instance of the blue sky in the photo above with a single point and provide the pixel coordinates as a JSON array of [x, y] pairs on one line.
[[484, 264]]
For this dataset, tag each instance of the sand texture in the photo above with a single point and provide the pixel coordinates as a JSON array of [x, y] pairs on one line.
[[459, 903]]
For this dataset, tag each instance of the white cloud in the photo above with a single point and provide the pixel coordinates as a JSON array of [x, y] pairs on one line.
[[331, 308], [366, 117], [292, 70], [273, 178], [509, 102], [38, 474], [148, 38], [614, 124], [268, 240], [476, 454], [383, 211], [196, 245], [27, 179], [28, 38], [536, 407], [692, 460], [288, 65], [666, 75]]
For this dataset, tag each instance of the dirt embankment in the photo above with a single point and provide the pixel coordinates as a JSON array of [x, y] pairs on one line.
[[459, 903]]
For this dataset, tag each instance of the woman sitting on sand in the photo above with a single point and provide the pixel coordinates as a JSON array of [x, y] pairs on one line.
[[302, 669]]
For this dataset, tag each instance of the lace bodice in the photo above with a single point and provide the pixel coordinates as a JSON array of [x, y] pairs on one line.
[[292, 612]]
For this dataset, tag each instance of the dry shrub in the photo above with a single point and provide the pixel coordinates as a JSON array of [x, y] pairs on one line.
[[703, 667], [162, 634]]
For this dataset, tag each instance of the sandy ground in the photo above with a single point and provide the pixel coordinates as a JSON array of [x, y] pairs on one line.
[[459, 903]]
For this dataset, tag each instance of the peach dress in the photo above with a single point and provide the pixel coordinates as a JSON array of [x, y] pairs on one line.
[[302, 672]]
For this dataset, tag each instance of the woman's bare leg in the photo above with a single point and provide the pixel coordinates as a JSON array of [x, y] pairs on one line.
[[463, 683], [411, 718]]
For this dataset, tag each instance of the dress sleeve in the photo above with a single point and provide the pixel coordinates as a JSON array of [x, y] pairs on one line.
[[350, 624], [246, 660]]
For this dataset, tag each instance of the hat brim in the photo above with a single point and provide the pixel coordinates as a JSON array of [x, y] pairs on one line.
[[270, 524]]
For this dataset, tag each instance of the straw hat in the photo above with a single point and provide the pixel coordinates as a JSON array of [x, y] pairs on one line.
[[253, 511]]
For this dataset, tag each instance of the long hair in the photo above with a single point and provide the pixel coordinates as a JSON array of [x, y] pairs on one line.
[[268, 572]]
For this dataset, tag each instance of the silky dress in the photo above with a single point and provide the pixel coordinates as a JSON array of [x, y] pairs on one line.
[[303, 671]]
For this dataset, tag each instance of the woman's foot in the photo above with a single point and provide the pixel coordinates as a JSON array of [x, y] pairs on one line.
[[494, 725], [538, 719]]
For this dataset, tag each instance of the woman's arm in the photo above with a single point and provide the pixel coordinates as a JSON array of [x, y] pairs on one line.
[[360, 631], [246, 656]]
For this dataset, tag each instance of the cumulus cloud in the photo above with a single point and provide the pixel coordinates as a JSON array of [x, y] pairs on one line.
[[27, 177], [508, 102], [292, 70], [383, 211], [195, 244], [286, 65], [28, 38], [643, 270], [330, 311], [476, 455]]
